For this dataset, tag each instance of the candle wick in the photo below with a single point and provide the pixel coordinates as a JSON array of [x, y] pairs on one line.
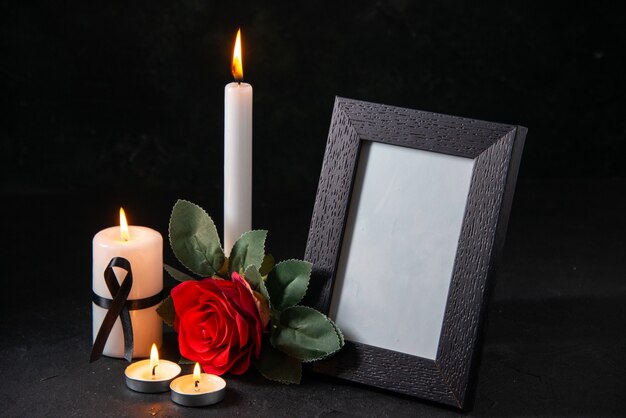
[[154, 370], [239, 82], [197, 382]]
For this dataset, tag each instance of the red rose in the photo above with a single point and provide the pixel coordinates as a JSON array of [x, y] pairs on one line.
[[218, 324]]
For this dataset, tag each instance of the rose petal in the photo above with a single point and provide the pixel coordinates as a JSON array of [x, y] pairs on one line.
[[185, 295], [263, 306]]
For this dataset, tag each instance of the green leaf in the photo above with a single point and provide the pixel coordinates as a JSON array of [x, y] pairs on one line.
[[248, 250], [194, 239], [184, 360], [166, 311], [339, 333], [287, 283], [278, 366], [305, 334], [177, 274], [254, 279], [267, 265]]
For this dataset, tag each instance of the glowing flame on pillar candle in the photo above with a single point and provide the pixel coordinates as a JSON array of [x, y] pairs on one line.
[[124, 233], [154, 359], [196, 375], [237, 66]]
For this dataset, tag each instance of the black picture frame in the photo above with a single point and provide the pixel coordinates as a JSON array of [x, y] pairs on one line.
[[496, 149]]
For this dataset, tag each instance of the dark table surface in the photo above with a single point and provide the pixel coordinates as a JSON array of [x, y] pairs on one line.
[[555, 343]]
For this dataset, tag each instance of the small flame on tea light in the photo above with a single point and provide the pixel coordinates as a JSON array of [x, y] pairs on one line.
[[196, 376], [154, 359]]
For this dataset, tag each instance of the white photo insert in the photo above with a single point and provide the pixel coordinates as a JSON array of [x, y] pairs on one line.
[[398, 250]]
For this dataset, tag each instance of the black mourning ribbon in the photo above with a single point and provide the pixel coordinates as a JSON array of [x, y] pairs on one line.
[[118, 306]]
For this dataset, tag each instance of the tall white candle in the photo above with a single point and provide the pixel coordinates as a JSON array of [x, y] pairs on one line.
[[143, 248], [237, 153]]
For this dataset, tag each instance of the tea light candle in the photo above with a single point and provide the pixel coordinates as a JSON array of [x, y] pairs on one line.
[[143, 248], [153, 375], [198, 389]]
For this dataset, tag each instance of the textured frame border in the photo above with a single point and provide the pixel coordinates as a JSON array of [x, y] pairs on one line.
[[496, 149]]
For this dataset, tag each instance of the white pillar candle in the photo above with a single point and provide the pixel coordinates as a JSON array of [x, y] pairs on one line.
[[237, 154], [144, 250]]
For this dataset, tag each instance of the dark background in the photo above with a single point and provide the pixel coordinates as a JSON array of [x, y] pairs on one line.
[[131, 95], [109, 104]]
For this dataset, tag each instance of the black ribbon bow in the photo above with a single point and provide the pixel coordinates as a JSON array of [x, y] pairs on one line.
[[118, 306]]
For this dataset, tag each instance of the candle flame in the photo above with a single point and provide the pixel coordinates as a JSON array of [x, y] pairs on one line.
[[154, 358], [237, 66], [124, 233], [196, 375]]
